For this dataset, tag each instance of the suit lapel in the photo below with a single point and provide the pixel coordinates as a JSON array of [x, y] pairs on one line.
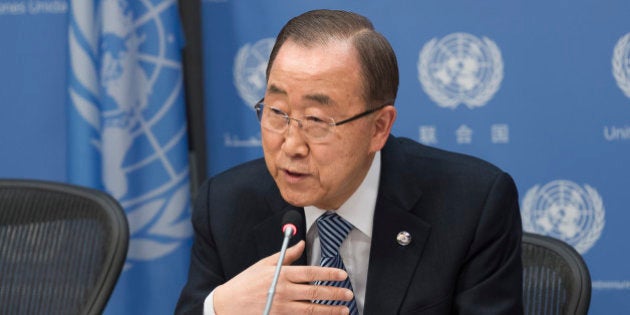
[[392, 265]]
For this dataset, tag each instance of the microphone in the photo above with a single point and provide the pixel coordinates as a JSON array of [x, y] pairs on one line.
[[290, 221]]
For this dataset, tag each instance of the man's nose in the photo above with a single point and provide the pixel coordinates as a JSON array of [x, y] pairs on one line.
[[294, 142]]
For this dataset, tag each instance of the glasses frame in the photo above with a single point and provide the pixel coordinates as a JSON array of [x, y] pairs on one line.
[[260, 106]]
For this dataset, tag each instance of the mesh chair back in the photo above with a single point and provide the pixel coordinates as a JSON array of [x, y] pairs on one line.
[[555, 277], [62, 248]]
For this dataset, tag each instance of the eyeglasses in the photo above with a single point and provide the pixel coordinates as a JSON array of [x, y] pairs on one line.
[[314, 128]]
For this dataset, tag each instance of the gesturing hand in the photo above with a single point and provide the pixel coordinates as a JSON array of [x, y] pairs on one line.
[[247, 292]]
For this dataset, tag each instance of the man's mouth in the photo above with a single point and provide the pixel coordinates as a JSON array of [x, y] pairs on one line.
[[293, 176]]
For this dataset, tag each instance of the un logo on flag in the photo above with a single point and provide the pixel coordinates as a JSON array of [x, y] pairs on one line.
[[621, 64], [134, 102], [566, 211], [250, 66], [460, 68]]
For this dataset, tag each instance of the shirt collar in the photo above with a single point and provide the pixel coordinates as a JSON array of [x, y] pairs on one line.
[[359, 208]]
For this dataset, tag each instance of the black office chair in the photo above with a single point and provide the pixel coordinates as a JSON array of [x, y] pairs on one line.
[[555, 277], [62, 248]]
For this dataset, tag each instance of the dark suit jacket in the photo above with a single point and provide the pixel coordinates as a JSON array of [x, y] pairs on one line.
[[462, 214]]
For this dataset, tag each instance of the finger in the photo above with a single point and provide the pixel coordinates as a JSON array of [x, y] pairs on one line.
[[307, 307], [310, 292], [303, 274]]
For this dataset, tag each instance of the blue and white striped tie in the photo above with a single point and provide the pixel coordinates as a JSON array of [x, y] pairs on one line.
[[333, 229]]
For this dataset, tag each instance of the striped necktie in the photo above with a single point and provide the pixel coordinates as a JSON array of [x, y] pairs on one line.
[[333, 229]]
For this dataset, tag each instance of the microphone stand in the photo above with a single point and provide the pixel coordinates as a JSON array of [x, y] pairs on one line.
[[288, 232]]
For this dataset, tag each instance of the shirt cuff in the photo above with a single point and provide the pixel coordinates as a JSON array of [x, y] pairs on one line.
[[208, 304]]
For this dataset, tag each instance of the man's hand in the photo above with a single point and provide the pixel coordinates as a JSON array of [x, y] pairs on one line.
[[247, 292]]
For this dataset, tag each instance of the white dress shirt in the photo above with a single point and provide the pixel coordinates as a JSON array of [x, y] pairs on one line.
[[355, 249]]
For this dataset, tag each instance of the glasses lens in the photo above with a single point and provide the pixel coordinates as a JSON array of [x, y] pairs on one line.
[[273, 119], [317, 128]]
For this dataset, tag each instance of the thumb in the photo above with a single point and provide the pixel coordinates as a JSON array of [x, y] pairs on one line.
[[293, 253]]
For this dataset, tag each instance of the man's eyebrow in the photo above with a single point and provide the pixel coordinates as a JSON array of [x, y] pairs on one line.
[[274, 89], [319, 98]]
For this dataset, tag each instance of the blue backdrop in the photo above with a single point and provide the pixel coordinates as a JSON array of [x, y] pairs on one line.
[[540, 88]]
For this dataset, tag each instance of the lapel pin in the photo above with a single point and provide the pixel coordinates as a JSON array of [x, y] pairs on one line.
[[403, 238]]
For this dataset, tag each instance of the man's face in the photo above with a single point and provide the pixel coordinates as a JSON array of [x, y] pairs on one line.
[[324, 82]]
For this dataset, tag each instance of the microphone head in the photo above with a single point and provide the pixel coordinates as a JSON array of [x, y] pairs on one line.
[[292, 219]]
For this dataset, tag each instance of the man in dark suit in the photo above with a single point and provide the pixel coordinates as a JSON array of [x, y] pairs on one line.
[[430, 232]]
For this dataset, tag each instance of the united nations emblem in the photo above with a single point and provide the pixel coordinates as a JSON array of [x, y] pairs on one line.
[[566, 211], [132, 96], [460, 68], [250, 66], [621, 64]]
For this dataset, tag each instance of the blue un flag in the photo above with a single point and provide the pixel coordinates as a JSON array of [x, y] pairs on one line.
[[128, 137]]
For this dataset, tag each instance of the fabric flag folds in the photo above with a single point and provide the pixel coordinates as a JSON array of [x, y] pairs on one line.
[[128, 137]]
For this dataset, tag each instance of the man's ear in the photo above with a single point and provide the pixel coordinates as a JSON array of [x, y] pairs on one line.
[[383, 122]]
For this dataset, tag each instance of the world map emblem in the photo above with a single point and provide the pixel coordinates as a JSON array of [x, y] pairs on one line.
[[621, 64], [460, 69], [130, 92], [250, 66], [566, 211]]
